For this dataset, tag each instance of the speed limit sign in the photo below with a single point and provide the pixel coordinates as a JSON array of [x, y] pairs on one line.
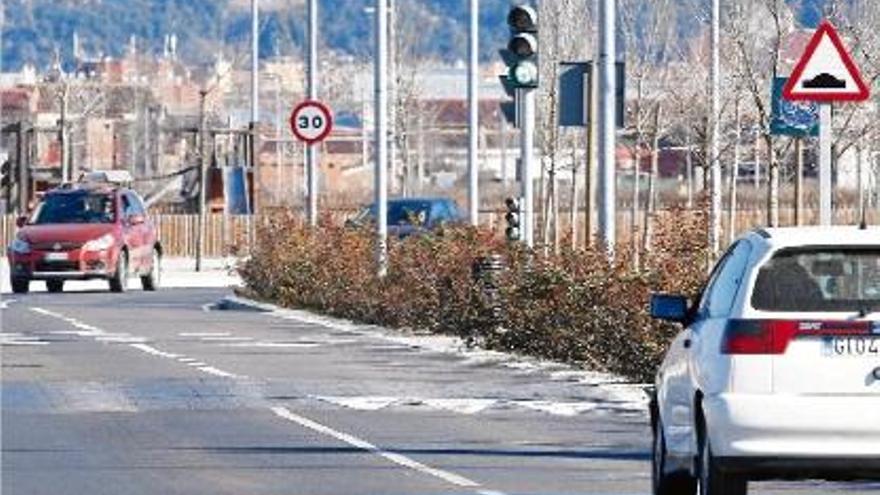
[[311, 121]]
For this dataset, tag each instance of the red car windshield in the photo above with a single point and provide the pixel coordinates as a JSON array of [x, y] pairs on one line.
[[84, 207]]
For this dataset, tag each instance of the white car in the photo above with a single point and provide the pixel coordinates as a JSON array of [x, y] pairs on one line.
[[776, 374]]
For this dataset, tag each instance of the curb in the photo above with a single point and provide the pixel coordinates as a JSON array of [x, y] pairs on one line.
[[237, 303]]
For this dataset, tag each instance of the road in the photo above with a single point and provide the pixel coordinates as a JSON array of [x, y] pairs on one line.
[[166, 393]]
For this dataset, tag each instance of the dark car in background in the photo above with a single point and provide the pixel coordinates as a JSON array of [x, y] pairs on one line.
[[408, 216]]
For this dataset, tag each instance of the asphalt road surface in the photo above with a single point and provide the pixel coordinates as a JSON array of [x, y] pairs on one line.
[[161, 393]]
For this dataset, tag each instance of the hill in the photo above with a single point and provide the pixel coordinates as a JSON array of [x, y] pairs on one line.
[[33, 28]]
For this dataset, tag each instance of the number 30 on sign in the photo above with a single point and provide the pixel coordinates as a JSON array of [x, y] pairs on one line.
[[311, 121]]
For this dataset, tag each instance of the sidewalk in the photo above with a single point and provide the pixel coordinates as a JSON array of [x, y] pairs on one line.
[[176, 273]]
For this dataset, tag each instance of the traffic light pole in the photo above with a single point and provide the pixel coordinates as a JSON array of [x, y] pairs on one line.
[[526, 98]]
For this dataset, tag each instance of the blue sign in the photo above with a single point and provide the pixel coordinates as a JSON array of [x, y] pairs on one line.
[[792, 118]]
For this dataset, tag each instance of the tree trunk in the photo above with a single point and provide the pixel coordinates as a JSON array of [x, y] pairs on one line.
[[651, 201]]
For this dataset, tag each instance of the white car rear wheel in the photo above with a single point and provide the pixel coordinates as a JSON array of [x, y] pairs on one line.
[[664, 483], [712, 480]]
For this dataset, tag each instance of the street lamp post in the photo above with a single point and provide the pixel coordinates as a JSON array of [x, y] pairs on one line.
[[381, 137], [607, 139], [714, 146], [473, 115]]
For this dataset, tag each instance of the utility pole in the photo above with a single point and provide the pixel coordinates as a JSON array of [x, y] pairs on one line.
[[381, 137], [825, 163], [393, 54], [607, 139], [62, 133], [255, 62], [311, 149], [203, 180], [473, 114], [714, 145], [252, 148]]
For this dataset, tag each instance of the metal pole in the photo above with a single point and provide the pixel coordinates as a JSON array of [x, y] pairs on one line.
[[312, 150], [255, 117], [527, 145], [203, 182], [734, 173], [381, 137], [279, 166], [255, 61], [607, 139], [757, 158], [689, 170], [62, 135], [392, 93], [860, 157], [715, 145], [825, 138], [473, 115], [799, 182]]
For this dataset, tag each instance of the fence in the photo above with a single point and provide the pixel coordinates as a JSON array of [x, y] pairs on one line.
[[227, 234]]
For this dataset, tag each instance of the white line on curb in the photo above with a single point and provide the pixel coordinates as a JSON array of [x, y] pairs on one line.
[[364, 445]]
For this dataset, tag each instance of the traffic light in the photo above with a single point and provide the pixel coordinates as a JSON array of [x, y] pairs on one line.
[[514, 219], [521, 55]]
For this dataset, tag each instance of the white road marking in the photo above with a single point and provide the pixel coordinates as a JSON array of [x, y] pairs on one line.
[[214, 371], [361, 403], [226, 339], [204, 334], [122, 338], [155, 352], [461, 406], [186, 359], [46, 312], [24, 342], [4, 303], [196, 364], [300, 345], [557, 408], [399, 459]]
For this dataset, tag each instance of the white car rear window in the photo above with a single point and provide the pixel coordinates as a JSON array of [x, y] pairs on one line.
[[820, 280]]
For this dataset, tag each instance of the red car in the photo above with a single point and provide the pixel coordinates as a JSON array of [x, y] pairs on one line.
[[86, 231]]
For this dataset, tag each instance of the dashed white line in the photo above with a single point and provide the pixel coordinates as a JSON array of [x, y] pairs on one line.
[[136, 342], [214, 371], [226, 339], [155, 352], [204, 334], [399, 459]]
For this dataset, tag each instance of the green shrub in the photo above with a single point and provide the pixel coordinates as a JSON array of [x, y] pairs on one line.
[[575, 306]]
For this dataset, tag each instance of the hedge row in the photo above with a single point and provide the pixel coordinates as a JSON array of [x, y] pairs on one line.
[[574, 306]]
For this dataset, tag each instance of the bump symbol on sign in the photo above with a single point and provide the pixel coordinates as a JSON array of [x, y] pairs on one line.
[[826, 72]]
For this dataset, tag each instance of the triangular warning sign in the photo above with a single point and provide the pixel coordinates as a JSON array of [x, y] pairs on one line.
[[826, 71]]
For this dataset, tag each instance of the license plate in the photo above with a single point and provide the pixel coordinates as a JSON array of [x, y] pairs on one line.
[[851, 346], [56, 257]]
